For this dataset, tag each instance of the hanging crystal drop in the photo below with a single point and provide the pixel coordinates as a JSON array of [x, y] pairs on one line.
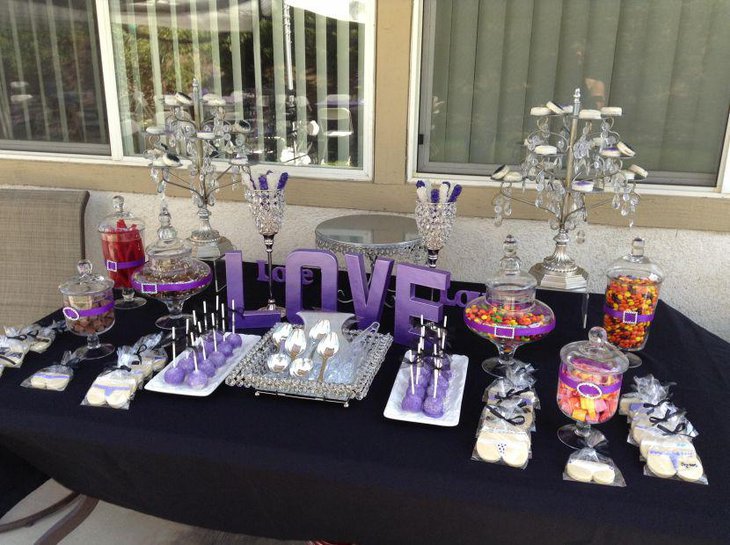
[[580, 236]]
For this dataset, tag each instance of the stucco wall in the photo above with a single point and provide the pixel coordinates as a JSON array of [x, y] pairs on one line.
[[696, 262]]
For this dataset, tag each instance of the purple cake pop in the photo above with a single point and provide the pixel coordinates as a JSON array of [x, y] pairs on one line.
[[207, 367], [186, 364], [174, 375], [433, 407], [225, 348], [209, 346], [412, 403], [197, 380], [217, 359], [217, 334], [440, 390], [234, 340]]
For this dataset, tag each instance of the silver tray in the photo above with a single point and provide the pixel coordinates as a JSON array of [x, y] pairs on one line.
[[252, 372]]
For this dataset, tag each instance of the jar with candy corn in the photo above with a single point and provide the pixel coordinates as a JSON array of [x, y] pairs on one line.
[[632, 294], [589, 386], [123, 247], [509, 315]]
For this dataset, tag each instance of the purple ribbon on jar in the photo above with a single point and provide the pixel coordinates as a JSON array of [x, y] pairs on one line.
[[151, 288], [628, 316], [74, 314], [115, 266], [589, 389], [509, 332]]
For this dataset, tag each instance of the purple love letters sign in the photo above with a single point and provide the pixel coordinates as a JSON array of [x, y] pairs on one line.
[[368, 300], [234, 292], [407, 304], [326, 262]]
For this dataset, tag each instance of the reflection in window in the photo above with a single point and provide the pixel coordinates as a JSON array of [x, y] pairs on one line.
[[291, 68], [51, 96], [486, 63]]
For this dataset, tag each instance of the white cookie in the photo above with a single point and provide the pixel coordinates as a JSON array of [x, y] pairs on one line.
[[57, 383], [95, 396], [37, 381], [690, 469], [118, 398], [660, 465], [586, 471], [663, 442]]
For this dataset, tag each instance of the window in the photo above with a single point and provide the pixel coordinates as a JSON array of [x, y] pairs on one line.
[[294, 69], [51, 92], [484, 64]]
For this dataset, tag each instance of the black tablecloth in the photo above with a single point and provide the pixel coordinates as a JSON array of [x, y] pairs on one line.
[[298, 469]]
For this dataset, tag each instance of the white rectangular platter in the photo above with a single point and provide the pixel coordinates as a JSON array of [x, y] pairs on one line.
[[158, 384], [452, 403]]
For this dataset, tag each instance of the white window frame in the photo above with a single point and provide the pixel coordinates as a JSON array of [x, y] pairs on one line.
[[117, 156], [720, 190]]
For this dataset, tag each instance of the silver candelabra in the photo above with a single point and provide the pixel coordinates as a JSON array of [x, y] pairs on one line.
[[197, 130], [567, 160]]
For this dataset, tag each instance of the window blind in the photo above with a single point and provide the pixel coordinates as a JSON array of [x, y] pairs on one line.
[[666, 62]]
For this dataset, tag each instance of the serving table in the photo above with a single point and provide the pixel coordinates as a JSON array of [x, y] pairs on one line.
[[293, 469]]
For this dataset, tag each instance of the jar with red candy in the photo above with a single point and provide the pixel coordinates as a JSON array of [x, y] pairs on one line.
[[508, 315], [632, 294], [122, 244], [589, 386]]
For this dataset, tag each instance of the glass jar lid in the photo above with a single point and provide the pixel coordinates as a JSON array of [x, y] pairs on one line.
[[168, 245], [512, 284], [121, 220], [636, 264], [86, 282], [595, 355]]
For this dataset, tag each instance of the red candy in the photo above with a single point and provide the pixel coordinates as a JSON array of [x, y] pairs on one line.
[[123, 245]]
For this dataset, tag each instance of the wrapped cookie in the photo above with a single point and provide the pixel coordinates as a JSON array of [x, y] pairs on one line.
[[649, 393], [680, 463], [12, 351], [588, 465], [37, 338], [520, 387], [54, 377], [669, 416], [663, 435], [114, 387], [150, 351], [501, 439]]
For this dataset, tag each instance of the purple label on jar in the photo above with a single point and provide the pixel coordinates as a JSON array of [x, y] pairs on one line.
[[628, 316], [508, 332], [153, 288], [589, 389], [74, 314], [115, 266]]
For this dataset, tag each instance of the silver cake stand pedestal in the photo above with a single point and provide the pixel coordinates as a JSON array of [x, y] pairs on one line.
[[373, 236]]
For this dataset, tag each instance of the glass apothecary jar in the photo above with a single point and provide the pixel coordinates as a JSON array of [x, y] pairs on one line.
[[589, 386], [171, 275], [509, 315], [122, 244], [88, 307], [632, 294]]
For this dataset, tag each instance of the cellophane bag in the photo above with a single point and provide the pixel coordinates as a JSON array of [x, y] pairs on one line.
[[54, 377], [588, 465], [501, 439], [114, 387]]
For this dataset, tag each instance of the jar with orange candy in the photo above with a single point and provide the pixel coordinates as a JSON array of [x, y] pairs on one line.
[[123, 248], [632, 294], [589, 386], [509, 315]]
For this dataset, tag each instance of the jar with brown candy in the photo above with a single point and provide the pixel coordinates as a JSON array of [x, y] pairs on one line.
[[171, 275], [88, 307]]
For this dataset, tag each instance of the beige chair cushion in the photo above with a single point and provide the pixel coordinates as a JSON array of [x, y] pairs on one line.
[[42, 240]]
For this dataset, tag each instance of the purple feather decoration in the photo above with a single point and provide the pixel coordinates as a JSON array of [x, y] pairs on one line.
[[434, 195], [282, 180], [420, 183], [455, 193]]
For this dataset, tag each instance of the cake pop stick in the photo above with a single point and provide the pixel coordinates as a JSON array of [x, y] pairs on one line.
[[195, 318], [413, 384], [195, 359], [435, 382], [205, 356], [217, 302], [200, 329], [215, 337], [174, 351]]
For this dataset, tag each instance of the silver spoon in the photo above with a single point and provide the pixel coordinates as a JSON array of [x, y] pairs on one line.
[[279, 361], [327, 348]]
